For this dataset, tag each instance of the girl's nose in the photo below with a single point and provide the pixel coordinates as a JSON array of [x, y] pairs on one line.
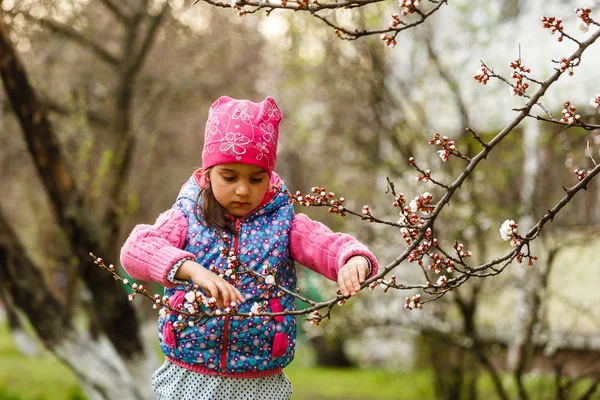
[[242, 189]]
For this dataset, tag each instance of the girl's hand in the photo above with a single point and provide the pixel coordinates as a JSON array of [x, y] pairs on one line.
[[352, 275], [210, 283]]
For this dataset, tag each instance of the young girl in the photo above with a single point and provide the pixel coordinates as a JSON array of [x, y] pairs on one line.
[[235, 208]]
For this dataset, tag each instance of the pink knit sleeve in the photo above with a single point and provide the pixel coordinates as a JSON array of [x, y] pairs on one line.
[[315, 246], [151, 250]]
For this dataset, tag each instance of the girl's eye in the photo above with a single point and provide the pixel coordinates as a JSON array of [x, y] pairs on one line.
[[256, 180], [229, 178]]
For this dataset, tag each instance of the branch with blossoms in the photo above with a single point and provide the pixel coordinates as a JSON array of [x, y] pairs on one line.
[[569, 116], [418, 12], [418, 235], [443, 269], [196, 308], [420, 243]]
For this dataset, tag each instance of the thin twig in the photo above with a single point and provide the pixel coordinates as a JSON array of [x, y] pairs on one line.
[[73, 34]]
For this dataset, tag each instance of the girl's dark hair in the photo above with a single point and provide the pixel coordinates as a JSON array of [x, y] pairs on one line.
[[214, 214]]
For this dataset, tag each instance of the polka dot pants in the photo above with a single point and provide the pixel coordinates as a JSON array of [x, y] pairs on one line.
[[172, 382]]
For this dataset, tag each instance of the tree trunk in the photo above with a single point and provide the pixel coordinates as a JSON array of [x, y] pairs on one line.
[[329, 351], [67, 201], [24, 343], [115, 314], [96, 363]]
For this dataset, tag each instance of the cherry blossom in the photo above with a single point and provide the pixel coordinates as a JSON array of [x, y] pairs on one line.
[[568, 114], [595, 102], [190, 296], [584, 16], [554, 24], [481, 75], [270, 280], [508, 229]]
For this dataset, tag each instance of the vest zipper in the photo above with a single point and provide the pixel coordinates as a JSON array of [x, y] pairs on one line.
[[238, 222]]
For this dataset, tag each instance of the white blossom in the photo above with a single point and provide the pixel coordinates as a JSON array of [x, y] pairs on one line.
[[190, 296], [413, 205], [255, 308], [402, 220], [190, 309], [506, 231], [443, 154], [270, 280]]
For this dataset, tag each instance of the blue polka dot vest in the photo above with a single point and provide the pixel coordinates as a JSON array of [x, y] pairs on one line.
[[232, 344]]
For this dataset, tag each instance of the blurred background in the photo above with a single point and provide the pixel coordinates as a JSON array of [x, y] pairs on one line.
[[126, 90]]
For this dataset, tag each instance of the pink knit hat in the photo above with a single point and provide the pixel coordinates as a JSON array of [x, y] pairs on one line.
[[240, 131]]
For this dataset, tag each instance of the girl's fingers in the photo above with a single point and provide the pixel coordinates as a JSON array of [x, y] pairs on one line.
[[350, 279], [239, 295], [361, 275], [345, 283], [221, 294], [354, 279], [341, 282], [212, 288], [232, 295]]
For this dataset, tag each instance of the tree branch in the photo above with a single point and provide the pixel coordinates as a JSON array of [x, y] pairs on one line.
[[142, 54], [451, 82], [75, 35], [353, 35], [578, 124], [93, 117], [116, 10], [314, 7], [128, 72], [524, 112]]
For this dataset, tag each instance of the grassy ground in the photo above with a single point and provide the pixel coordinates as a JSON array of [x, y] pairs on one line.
[[40, 378], [44, 378]]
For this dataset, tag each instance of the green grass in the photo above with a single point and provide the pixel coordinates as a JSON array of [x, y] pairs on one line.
[[358, 384], [45, 378], [39, 378]]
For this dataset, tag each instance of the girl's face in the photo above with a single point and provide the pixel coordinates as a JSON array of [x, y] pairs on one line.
[[239, 188]]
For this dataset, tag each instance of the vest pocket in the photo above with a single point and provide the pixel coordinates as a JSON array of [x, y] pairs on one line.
[[169, 334], [280, 344], [280, 339], [198, 344]]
